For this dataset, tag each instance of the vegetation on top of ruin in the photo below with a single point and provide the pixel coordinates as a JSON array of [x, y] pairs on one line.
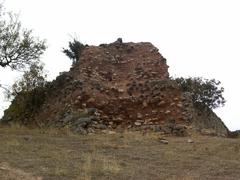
[[74, 50]]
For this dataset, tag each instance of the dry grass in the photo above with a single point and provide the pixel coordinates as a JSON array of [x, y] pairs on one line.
[[13, 173], [53, 154]]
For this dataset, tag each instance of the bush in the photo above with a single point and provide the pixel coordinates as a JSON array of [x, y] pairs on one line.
[[75, 50], [204, 92], [27, 94], [24, 105], [33, 78]]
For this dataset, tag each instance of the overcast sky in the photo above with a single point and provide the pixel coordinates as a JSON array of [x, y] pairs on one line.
[[197, 37]]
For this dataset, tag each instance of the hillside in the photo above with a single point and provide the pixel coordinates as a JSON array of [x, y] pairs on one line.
[[52, 155], [114, 87]]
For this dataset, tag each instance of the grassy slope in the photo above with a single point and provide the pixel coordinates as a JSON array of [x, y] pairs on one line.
[[31, 154]]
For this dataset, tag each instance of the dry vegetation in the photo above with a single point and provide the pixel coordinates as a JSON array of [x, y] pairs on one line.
[[37, 154]]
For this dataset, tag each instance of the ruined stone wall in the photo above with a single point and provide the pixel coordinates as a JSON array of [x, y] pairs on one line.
[[123, 86], [120, 86]]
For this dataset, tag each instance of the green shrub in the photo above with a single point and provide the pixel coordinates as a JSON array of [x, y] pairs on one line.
[[204, 92], [75, 50], [24, 105], [32, 78]]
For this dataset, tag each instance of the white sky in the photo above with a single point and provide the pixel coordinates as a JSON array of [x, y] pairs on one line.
[[198, 37]]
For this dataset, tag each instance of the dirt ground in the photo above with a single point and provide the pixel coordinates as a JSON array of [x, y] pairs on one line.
[[56, 155]]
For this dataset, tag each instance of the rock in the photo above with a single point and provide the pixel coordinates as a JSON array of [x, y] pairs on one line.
[[179, 130], [68, 118], [129, 126], [95, 122], [118, 41], [167, 129], [90, 100], [79, 97], [179, 127], [100, 126], [163, 141], [154, 112], [157, 129], [155, 100], [111, 132], [208, 132], [145, 104], [117, 56], [76, 102], [77, 83], [91, 111], [104, 131], [180, 105], [80, 130], [90, 130], [190, 141], [138, 123], [184, 113], [121, 90], [167, 112], [161, 103], [118, 119], [27, 138], [139, 116], [154, 49], [82, 122], [172, 121]]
